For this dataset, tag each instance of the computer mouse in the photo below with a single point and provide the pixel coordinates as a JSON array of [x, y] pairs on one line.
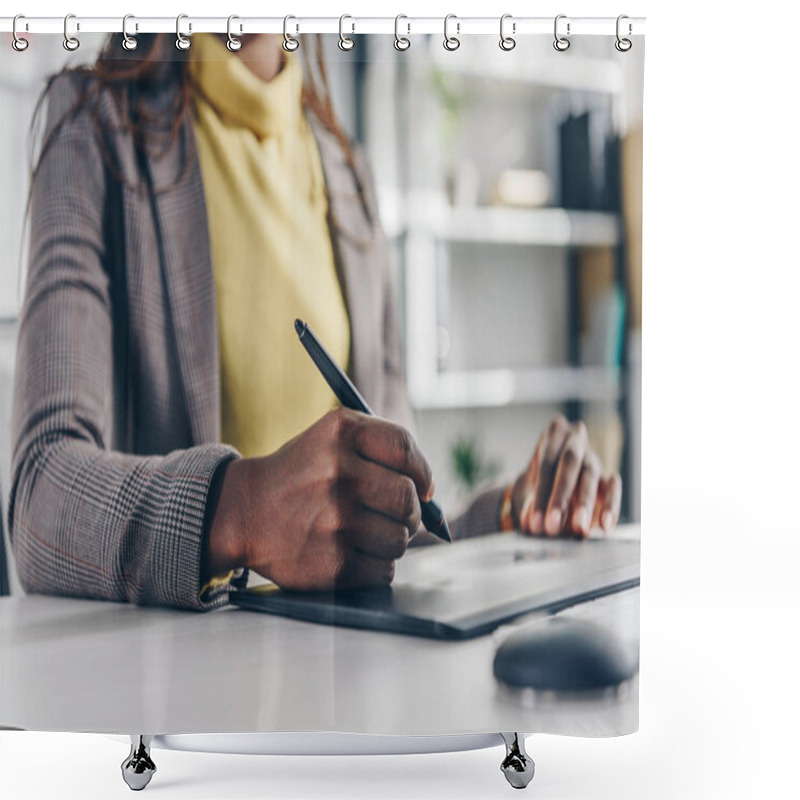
[[564, 655]]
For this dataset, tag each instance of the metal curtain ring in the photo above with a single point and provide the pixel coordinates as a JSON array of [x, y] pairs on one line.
[[233, 44], [181, 41], [623, 45], [290, 44], [70, 42], [401, 42], [345, 42], [129, 42], [451, 42], [561, 43], [507, 42], [17, 42]]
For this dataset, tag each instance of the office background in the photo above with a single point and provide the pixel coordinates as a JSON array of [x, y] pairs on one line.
[[520, 282], [709, 555]]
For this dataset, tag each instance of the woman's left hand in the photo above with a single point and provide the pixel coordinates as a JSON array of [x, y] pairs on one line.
[[564, 491]]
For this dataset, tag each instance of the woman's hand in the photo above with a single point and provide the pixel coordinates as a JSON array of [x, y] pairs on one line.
[[332, 508], [563, 491]]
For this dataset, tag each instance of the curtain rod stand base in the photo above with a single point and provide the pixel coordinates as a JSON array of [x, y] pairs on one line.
[[517, 766], [138, 768]]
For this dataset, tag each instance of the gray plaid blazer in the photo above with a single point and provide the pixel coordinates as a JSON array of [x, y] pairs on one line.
[[116, 421]]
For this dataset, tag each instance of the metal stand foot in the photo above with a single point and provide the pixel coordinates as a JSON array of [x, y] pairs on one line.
[[517, 766], [138, 768]]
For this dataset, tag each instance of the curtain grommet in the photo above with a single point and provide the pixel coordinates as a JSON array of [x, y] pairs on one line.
[[290, 44], [623, 44], [129, 43], [233, 44], [70, 43], [401, 43], [19, 43], [182, 42], [561, 43], [345, 42], [451, 43], [507, 43]]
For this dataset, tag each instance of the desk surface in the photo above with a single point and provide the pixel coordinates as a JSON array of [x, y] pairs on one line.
[[83, 665]]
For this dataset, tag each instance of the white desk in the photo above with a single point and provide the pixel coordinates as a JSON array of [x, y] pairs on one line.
[[82, 665]]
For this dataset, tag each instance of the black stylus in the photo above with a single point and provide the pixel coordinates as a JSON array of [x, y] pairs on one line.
[[432, 516]]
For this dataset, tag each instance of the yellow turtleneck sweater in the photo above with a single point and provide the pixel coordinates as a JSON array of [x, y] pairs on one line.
[[270, 246]]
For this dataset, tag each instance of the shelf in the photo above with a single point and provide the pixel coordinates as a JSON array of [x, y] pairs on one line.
[[542, 226], [555, 74], [502, 387], [545, 227]]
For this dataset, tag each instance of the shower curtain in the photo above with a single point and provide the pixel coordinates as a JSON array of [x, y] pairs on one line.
[[204, 534]]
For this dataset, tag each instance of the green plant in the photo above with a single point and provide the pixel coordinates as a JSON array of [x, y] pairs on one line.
[[451, 102], [468, 464]]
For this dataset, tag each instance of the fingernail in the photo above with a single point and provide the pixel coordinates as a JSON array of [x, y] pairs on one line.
[[553, 524], [429, 496], [607, 520], [536, 522], [580, 520]]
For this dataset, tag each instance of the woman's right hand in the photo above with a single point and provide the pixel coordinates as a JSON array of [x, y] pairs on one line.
[[333, 508]]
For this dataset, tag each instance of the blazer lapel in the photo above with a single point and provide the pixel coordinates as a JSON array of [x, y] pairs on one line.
[[182, 221], [354, 239], [180, 212]]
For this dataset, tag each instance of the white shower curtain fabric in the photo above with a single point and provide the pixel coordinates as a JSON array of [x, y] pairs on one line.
[[461, 230]]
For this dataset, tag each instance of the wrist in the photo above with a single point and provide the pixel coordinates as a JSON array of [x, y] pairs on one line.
[[507, 516], [223, 547]]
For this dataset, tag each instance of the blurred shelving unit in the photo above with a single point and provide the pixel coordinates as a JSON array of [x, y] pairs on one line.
[[500, 387], [462, 118], [534, 73], [545, 227]]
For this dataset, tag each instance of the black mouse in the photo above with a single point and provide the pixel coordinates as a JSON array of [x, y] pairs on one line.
[[563, 655]]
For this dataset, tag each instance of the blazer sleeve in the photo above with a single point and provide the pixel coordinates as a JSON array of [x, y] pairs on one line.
[[85, 520]]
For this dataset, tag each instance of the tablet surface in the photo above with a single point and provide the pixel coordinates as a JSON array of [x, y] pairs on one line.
[[468, 588]]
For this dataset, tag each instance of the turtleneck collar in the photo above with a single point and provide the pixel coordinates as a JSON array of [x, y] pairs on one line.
[[268, 108]]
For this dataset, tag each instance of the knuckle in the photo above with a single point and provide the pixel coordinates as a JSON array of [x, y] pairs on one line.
[[335, 420], [400, 543], [427, 473], [337, 466], [570, 457], [338, 564], [388, 575], [548, 461], [340, 486], [406, 497], [340, 421], [593, 464], [334, 489], [337, 521], [404, 445], [591, 470]]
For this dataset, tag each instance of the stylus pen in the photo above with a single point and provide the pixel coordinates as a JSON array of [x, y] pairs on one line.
[[432, 516]]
